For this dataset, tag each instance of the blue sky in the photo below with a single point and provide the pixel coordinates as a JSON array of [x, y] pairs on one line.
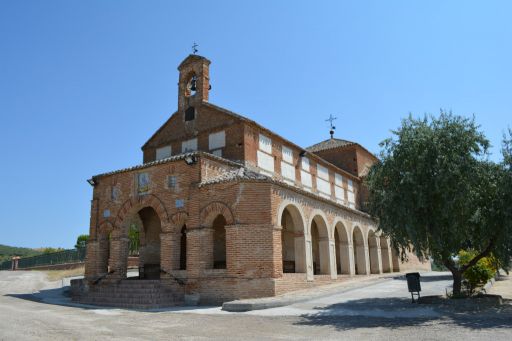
[[83, 84]]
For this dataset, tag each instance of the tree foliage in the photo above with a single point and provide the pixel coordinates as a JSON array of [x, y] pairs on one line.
[[480, 273], [434, 191], [81, 241]]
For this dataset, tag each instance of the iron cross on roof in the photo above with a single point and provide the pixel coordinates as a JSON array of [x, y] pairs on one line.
[[194, 48], [331, 119]]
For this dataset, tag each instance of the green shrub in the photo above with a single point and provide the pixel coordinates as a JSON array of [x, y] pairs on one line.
[[480, 273]]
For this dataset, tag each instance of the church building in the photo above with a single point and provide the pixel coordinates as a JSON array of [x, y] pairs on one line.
[[222, 209]]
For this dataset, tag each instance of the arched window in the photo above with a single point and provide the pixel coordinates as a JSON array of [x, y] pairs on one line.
[[219, 242]]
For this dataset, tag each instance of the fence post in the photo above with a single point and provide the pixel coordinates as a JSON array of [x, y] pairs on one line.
[[14, 262]]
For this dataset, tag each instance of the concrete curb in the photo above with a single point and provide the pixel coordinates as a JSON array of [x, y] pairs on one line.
[[275, 302]]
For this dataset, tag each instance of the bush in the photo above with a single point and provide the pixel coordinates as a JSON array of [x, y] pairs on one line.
[[480, 273]]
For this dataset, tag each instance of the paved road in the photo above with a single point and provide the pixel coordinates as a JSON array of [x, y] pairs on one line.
[[381, 310]]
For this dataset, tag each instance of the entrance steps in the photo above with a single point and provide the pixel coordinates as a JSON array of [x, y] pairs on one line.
[[134, 294]]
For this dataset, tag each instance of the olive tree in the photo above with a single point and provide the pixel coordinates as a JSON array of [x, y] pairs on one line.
[[434, 192]]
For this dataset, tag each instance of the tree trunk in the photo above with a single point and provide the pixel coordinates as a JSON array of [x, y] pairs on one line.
[[456, 274], [457, 283]]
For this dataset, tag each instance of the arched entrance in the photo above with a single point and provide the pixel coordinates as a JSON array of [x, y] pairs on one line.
[[320, 246], [143, 230], [219, 242], [149, 249], [359, 252], [385, 254], [373, 247], [342, 249], [292, 240]]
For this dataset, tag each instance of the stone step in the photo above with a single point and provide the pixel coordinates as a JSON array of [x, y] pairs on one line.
[[126, 297], [100, 300], [133, 306]]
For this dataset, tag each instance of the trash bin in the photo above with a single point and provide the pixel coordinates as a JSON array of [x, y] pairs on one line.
[[413, 284]]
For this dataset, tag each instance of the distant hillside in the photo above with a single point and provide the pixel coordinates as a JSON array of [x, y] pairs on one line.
[[6, 252]]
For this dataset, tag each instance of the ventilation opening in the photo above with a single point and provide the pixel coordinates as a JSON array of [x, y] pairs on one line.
[[190, 114]]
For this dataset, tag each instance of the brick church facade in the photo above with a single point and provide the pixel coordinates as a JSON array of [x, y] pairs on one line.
[[226, 209]]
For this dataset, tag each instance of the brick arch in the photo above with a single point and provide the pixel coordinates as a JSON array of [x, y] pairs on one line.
[[323, 222], [212, 210], [131, 205], [105, 227], [177, 221]]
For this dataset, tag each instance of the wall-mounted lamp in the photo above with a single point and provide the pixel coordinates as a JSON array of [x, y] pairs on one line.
[[92, 182], [190, 159]]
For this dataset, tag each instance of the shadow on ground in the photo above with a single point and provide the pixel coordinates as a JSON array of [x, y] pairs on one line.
[[60, 297], [400, 312], [428, 278]]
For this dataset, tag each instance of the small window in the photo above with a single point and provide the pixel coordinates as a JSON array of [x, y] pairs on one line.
[[189, 146], [265, 144], [287, 154], [305, 164], [190, 114], [114, 193], [217, 140], [217, 152], [163, 153], [172, 182]]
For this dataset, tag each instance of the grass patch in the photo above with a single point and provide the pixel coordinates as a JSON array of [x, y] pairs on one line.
[[57, 275]]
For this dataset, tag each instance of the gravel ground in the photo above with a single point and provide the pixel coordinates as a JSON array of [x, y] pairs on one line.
[[380, 311]]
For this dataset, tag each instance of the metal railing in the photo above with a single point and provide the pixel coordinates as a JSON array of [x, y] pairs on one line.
[[59, 257], [6, 265]]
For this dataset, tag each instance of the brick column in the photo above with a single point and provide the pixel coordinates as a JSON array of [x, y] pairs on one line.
[[352, 261], [277, 252], [119, 256], [332, 259], [253, 251], [379, 256], [199, 250], [91, 260], [309, 258], [367, 258], [169, 251]]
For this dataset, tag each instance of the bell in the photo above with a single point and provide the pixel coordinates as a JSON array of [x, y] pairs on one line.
[[193, 85]]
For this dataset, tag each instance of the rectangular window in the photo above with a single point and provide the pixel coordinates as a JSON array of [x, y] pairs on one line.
[[338, 180], [323, 186], [217, 140], [287, 154], [172, 182], [350, 186], [217, 152], [305, 164], [351, 200], [265, 161], [339, 190], [322, 172], [288, 171], [306, 180], [163, 153], [189, 146], [265, 144]]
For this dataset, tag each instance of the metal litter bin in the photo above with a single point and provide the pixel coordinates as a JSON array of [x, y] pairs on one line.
[[413, 284]]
